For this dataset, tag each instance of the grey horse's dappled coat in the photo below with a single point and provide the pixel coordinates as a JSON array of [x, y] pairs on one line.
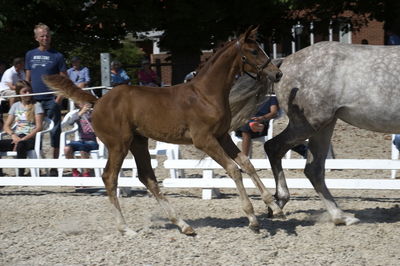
[[359, 84]]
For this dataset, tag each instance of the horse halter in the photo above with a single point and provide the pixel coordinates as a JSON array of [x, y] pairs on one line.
[[259, 68]]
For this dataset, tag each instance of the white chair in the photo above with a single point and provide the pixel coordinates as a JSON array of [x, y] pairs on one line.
[[36, 153], [72, 134]]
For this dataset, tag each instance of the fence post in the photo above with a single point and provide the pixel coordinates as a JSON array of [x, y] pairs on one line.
[[105, 69]]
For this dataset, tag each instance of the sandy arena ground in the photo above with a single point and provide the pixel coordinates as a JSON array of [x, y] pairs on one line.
[[59, 226]]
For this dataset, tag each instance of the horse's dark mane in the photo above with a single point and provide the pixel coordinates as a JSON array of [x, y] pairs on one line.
[[204, 66]]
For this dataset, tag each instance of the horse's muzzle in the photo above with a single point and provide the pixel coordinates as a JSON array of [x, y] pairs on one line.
[[278, 76]]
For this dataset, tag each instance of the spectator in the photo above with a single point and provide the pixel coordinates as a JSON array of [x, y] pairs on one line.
[[3, 67], [393, 38], [28, 117], [147, 76], [87, 138], [189, 76], [258, 125], [40, 61], [78, 74], [10, 78], [118, 75], [396, 141]]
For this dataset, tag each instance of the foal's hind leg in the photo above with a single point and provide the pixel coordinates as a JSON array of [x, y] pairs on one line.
[[140, 151], [244, 162], [117, 150], [315, 172], [212, 147]]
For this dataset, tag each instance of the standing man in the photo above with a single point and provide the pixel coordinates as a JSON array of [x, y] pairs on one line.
[[40, 61]]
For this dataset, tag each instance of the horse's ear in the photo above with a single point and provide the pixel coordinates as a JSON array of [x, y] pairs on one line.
[[277, 62], [251, 33]]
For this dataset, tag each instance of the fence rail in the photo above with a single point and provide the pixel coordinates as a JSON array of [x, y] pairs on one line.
[[66, 181]]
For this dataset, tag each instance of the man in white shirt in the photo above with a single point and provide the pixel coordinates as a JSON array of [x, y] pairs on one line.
[[10, 78]]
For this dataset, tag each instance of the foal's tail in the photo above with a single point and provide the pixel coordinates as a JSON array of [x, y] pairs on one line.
[[68, 89]]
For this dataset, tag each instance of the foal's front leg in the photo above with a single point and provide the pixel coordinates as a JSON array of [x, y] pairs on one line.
[[212, 147], [244, 162]]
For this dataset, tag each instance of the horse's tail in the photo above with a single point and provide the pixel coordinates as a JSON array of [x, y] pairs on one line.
[[68, 89]]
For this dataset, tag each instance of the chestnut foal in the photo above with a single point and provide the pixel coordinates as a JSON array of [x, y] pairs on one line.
[[195, 113]]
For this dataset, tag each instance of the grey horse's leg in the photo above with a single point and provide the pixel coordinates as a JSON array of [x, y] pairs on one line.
[[294, 134], [315, 171], [244, 162]]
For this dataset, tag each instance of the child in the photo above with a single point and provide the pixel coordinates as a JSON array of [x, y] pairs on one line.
[[87, 138]]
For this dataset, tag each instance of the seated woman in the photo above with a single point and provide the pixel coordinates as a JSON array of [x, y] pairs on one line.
[[87, 138], [257, 126], [28, 117]]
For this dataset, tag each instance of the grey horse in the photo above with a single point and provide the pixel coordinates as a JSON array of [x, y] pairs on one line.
[[359, 84]]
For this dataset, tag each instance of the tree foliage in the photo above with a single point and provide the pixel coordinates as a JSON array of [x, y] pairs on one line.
[[95, 26]]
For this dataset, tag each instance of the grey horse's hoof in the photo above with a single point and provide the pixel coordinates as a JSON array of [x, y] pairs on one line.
[[255, 228]]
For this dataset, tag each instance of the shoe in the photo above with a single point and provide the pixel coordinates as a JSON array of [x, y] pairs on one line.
[[76, 173], [87, 174]]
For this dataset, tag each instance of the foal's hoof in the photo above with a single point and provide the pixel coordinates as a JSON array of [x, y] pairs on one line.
[[255, 228], [280, 215], [276, 215], [270, 213], [128, 232], [189, 231], [346, 220]]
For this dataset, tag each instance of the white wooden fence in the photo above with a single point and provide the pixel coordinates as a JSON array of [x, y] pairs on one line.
[[65, 181], [209, 182]]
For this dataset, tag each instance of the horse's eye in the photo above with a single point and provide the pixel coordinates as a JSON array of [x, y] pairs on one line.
[[254, 52]]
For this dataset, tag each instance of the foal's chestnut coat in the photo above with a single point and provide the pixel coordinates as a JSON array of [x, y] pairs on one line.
[[192, 113]]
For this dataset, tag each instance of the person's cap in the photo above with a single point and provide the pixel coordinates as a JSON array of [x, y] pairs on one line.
[[145, 62], [75, 59]]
